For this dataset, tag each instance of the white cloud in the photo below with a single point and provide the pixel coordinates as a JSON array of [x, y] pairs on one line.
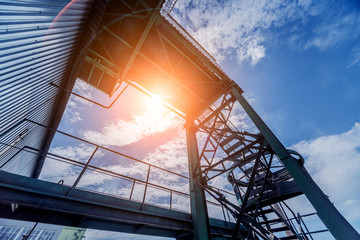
[[54, 170], [335, 30], [171, 155], [72, 116], [241, 120], [121, 132], [243, 29], [80, 153], [334, 163], [75, 104], [83, 89], [355, 56], [239, 27], [253, 51]]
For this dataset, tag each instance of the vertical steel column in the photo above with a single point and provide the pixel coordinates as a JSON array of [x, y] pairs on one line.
[[201, 226], [339, 227]]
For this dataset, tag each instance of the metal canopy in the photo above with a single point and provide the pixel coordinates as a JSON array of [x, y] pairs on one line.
[[139, 43]]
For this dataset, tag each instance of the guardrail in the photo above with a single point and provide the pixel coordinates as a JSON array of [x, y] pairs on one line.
[[176, 199]]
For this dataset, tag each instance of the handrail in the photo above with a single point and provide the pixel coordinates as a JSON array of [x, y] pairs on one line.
[[100, 170], [113, 151]]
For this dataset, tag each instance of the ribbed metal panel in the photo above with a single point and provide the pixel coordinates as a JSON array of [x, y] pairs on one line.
[[35, 50]]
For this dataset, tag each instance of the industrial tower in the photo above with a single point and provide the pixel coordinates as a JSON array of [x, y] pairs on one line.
[[46, 45]]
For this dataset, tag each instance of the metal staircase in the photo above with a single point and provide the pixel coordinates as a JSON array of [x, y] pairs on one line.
[[259, 180]]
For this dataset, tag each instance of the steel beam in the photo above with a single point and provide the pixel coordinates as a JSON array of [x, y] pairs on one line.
[[339, 227], [92, 22], [46, 202], [139, 44], [248, 190], [201, 227]]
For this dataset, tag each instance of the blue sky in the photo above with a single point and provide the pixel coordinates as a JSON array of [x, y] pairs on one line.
[[299, 65], [298, 59]]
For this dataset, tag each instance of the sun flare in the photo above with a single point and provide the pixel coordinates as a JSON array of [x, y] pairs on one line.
[[155, 104]]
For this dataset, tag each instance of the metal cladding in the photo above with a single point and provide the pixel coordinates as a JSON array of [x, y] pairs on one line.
[[40, 41]]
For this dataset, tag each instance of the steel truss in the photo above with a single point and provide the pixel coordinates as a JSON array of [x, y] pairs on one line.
[[254, 166]]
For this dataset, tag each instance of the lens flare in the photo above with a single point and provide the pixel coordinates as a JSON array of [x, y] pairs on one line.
[[155, 104]]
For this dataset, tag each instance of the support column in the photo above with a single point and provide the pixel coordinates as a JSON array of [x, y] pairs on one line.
[[200, 220], [339, 227]]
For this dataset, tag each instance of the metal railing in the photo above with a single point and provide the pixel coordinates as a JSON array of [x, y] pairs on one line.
[[165, 13], [167, 6], [146, 184], [298, 224]]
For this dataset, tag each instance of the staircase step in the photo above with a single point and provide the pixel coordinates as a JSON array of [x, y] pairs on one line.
[[288, 237], [233, 147], [250, 169], [212, 114], [277, 220], [266, 211], [280, 229], [227, 140]]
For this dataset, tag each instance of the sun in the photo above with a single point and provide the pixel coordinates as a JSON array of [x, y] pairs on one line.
[[155, 104]]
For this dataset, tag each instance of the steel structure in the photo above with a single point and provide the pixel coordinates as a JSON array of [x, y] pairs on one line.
[[46, 45]]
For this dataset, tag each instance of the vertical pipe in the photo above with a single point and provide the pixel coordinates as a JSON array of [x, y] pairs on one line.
[[307, 233], [223, 211], [82, 172], [201, 226], [339, 227], [132, 190], [227, 212], [146, 183], [299, 225], [170, 199], [26, 236]]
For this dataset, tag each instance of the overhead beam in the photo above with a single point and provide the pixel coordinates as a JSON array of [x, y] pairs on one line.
[[139, 45], [25, 213], [178, 81]]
